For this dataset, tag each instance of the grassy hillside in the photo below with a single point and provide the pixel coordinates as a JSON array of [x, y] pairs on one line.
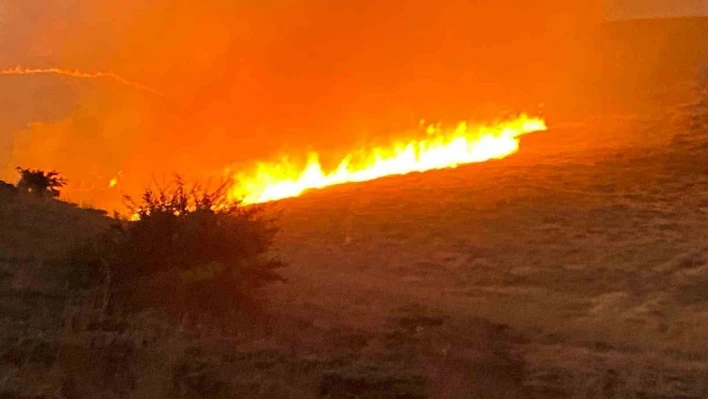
[[590, 244]]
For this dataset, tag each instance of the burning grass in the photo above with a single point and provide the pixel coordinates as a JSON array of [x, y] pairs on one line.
[[442, 148]]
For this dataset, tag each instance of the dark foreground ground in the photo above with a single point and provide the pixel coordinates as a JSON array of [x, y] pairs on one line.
[[575, 269]]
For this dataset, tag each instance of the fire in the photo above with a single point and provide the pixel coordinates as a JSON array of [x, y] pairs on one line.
[[73, 73], [441, 149]]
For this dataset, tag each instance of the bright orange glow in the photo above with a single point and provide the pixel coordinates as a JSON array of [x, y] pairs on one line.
[[442, 149], [19, 70], [113, 183]]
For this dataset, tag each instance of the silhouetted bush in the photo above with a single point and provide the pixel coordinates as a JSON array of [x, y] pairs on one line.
[[187, 250], [39, 182]]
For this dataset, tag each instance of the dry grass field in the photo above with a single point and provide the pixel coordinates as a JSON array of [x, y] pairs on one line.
[[588, 257]]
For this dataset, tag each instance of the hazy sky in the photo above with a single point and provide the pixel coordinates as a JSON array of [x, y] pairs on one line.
[[633, 9]]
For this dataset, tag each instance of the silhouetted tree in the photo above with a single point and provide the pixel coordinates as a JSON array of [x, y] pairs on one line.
[[39, 182]]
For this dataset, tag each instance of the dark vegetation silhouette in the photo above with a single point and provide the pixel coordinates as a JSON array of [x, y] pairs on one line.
[[40, 183], [186, 251]]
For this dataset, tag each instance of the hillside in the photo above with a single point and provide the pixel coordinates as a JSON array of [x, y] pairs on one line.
[[576, 268], [593, 250], [33, 227]]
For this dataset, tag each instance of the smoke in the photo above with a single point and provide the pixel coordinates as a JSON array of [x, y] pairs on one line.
[[639, 9], [253, 80]]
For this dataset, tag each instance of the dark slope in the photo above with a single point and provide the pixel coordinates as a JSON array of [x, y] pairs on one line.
[[36, 227]]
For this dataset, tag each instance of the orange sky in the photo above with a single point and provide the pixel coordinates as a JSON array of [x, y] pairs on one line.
[[635, 9], [257, 79]]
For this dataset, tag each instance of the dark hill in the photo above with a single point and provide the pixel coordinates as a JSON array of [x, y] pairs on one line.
[[41, 227]]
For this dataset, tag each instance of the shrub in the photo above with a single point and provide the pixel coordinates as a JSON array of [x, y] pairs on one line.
[[186, 250], [39, 182]]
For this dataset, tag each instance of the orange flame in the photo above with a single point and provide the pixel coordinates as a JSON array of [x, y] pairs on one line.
[[442, 149], [19, 70]]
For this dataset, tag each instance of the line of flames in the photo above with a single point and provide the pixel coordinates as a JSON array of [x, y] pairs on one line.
[[440, 149]]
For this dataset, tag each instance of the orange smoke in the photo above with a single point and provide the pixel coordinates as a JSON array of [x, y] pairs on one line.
[[19, 70], [442, 149], [248, 81]]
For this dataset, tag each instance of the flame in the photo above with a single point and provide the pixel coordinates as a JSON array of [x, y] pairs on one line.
[[442, 149], [19, 70]]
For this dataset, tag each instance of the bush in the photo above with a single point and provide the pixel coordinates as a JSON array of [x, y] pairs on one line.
[[39, 182], [186, 250]]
